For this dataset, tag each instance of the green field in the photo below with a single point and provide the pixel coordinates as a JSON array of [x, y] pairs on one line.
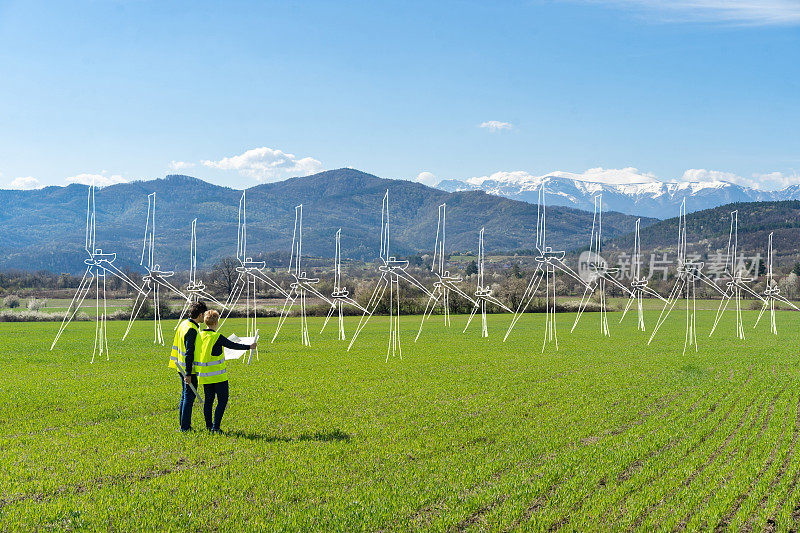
[[463, 433]]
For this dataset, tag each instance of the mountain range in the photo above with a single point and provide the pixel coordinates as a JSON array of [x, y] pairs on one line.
[[653, 198], [708, 231], [44, 228]]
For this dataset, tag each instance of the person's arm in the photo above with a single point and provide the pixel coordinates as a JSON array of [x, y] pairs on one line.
[[189, 342], [225, 342]]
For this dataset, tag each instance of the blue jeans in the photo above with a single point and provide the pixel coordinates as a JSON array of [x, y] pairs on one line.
[[186, 404], [220, 390]]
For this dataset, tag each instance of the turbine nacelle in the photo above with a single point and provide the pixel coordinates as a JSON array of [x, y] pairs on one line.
[[548, 254], [393, 264], [690, 270], [248, 264], [197, 286], [98, 256], [772, 291], [450, 278]]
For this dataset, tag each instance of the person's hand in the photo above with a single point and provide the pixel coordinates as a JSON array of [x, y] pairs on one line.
[[187, 379], [254, 346]]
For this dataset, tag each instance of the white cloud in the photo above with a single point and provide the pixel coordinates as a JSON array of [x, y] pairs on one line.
[[748, 12], [25, 183], [612, 176], [701, 174], [180, 165], [770, 181], [266, 164], [100, 180], [775, 180], [630, 175], [427, 178], [496, 125]]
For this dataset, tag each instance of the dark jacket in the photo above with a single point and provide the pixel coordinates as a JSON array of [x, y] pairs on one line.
[[189, 341], [216, 350]]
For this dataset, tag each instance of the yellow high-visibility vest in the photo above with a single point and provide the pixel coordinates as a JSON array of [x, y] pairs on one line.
[[178, 354], [210, 368]]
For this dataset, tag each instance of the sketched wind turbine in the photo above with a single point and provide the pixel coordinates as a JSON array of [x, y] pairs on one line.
[[483, 293], [689, 273], [249, 273], [737, 283], [548, 261], [196, 289], [446, 282], [600, 275], [392, 271], [302, 285], [639, 286], [155, 278], [772, 293], [340, 295], [99, 265]]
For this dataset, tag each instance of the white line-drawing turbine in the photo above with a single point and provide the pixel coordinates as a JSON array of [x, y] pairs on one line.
[[772, 293], [689, 272], [249, 272], [155, 278], [600, 274], [483, 293], [302, 285], [392, 271], [547, 263], [98, 265], [639, 286], [196, 289], [340, 294], [446, 282], [737, 284]]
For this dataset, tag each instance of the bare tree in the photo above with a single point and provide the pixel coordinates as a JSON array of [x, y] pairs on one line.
[[222, 276]]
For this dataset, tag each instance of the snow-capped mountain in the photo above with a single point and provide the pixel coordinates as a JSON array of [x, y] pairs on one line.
[[648, 197]]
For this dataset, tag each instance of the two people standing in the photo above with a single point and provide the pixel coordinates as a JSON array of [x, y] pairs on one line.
[[202, 362], [182, 356]]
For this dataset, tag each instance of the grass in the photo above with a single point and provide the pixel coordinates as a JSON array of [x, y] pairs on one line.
[[463, 433]]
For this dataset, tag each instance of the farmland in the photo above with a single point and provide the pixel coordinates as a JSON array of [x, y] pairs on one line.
[[463, 433]]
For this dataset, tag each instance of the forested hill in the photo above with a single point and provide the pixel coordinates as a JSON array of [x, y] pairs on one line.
[[707, 231], [44, 229]]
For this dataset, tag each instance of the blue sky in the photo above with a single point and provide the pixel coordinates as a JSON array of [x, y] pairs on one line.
[[242, 92]]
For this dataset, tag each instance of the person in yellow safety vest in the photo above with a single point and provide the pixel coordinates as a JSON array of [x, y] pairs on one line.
[[182, 357], [212, 371]]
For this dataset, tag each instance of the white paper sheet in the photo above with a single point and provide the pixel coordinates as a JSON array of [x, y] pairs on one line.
[[236, 354]]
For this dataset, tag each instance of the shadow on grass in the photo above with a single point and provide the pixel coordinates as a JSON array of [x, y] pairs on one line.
[[337, 435]]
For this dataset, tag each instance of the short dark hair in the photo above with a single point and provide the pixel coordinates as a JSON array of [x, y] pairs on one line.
[[197, 309]]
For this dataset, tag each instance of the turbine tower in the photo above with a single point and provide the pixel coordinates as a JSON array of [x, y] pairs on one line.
[[340, 295], [249, 273], [392, 271], [737, 284], [639, 286], [600, 274], [196, 289], [155, 278], [772, 293], [99, 265], [483, 293], [689, 272], [302, 285], [547, 263], [446, 283]]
